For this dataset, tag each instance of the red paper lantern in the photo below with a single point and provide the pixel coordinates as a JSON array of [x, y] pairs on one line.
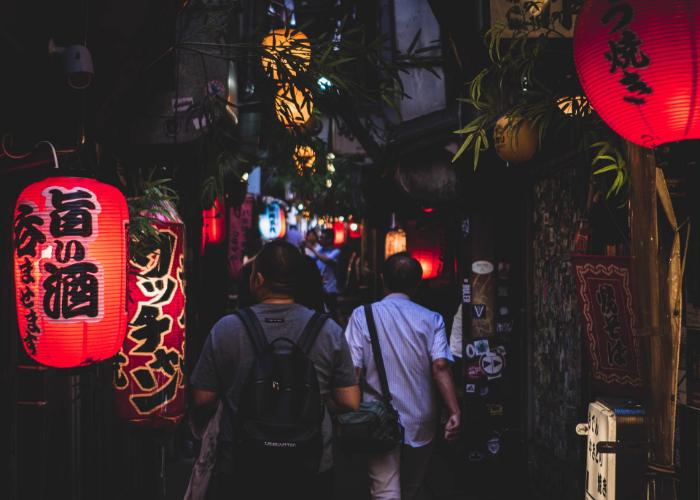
[[430, 261], [148, 380], [213, 225], [355, 230], [638, 63], [69, 240], [339, 233]]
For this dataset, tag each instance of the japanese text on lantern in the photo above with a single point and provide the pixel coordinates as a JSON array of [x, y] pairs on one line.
[[70, 289], [160, 375], [625, 53]]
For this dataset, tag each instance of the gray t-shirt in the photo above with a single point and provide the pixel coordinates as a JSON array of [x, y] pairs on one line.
[[228, 355]]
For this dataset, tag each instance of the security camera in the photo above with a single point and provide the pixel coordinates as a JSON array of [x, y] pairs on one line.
[[77, 64]]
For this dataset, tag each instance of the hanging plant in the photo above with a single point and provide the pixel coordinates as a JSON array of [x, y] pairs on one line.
[[527, 83]]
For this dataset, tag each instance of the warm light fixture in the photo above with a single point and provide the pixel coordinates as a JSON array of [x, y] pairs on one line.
[[288, 47], [292, 107]]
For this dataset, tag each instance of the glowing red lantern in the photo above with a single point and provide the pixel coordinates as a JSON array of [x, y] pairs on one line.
[[213, 225], [149, 380], [638, 63], [430, 261], [339, 233], [425, 244], [69, 240], [355, 230]]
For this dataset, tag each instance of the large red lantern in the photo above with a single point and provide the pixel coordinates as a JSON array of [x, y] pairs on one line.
[[213, 225], [355, 230], [339, 233], [425, 244], [638, 63], [148, 381], [69, 240]]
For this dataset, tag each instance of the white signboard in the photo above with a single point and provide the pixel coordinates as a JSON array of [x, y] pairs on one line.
[[600, 467]]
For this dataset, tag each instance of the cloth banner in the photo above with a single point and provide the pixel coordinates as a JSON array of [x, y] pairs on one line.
[[605, 298], [240, 220]]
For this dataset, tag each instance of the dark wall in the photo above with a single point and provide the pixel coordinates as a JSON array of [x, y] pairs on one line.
[[556, 390]]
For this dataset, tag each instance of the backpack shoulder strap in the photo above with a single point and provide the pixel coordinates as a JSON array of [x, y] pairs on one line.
[[253, 328], [377, 353], [311, 331]]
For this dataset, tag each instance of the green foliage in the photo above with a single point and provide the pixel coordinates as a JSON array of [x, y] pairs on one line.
[[143, 210], [531, 79]]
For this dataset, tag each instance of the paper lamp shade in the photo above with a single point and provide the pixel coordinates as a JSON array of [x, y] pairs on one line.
[[355, 230], [272, 222], [286, 47], [339, 233], [292, 108], [213, 225], [304, 158], [637, 61], [69, 245], [395, 242], [515, 143], [148, 379]]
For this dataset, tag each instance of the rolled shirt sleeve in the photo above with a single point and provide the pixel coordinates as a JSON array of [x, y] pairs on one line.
[[204, 374], [440, 348], [354, 334]]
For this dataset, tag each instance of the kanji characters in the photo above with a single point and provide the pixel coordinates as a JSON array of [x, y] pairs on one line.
[[72, 214], [27, 234], [71, 291]]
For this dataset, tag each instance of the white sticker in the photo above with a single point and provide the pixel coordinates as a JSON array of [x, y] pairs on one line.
[[482, 267], [494, 445], [492, 365], [471, 388]]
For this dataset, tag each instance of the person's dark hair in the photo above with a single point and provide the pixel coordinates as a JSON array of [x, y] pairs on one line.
[[402, 273], [310, 288], [281, 265], [245, 298]]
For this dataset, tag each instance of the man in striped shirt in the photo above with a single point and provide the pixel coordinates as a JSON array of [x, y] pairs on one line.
[[416, 355]]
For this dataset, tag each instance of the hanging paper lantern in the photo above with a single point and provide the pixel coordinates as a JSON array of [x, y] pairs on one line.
[[304, 158], [213, 225], [426, 244], [286, 47], [69, 238], [272, 222], [430, 261], [637, 61], [149, 379], [355, 230], [292, 107], [395, 242], [339, 233], [516, 142]]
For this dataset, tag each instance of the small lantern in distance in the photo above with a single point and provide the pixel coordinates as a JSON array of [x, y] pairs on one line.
[[282, 43], [339, 233], [304, 158], [292, 107], [213, 225], [395, 242]]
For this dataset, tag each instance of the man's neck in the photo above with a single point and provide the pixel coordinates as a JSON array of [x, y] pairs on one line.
[[278, 300]]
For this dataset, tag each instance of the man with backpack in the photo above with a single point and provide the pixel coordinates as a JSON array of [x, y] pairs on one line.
[[413, 359], [274, 367]]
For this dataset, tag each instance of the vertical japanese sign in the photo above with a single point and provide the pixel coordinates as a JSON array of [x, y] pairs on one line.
[[149, 377], [240, 221], [69, 239]]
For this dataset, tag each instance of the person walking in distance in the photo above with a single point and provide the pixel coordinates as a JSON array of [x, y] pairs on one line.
[[416, 356], [275, 431], [326, 257]]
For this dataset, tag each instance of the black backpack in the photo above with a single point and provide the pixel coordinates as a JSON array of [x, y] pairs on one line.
[[278, 422]]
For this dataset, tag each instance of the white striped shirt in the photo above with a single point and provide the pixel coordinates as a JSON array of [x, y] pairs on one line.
[[411, 337]]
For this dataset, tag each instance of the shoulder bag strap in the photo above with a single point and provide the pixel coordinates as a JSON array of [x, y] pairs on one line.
[[253, 329], [377, 353], [311, 331]]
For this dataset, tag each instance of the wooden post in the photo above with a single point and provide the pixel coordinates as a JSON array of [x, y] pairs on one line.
[[655, 319]]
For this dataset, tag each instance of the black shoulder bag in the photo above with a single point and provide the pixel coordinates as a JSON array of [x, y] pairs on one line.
[[375, 427]]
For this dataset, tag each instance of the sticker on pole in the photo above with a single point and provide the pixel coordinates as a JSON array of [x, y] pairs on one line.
[[482, 267]]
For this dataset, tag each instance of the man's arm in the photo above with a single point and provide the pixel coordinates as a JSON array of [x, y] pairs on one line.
[[331, 258], [442, 374], [345, 399], [204, 406]]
